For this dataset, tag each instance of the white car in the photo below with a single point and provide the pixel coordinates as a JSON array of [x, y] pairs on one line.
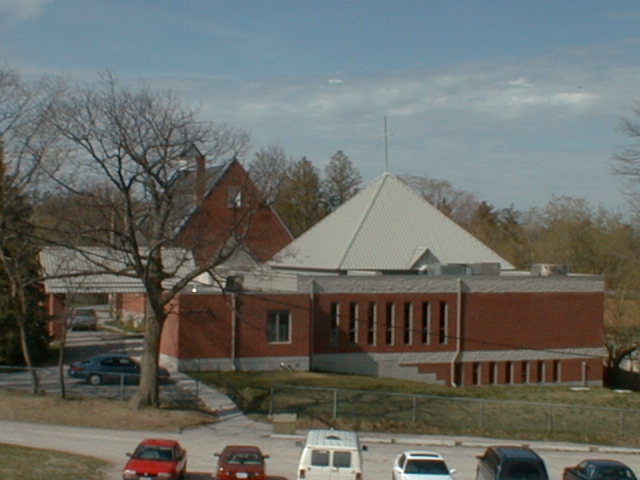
[[418, 465]]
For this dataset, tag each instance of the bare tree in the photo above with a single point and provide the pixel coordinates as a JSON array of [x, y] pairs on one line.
[[127, 171], [269, 169], [457, 204]]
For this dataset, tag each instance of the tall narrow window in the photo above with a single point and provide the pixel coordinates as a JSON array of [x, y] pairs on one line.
[[442, 326], [334, 327], [493, 373], [389, 322], [353, 323], [407, 327], [477, 373], [278, 326], [525, 371], [371, 323], [541, 371], [508, 372], [426, 323], [556, 371]]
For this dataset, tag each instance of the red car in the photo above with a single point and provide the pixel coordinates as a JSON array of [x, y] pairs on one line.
[[156, 459], [242, 462]]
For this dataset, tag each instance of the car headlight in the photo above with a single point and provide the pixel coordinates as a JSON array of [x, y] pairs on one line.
[[129, 474]]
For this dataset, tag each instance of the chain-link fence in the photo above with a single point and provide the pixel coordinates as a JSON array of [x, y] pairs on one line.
[[455, 415], [115, 386]]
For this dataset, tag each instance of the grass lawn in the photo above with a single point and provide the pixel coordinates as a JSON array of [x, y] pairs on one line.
[[383, 404], [82, 412], [263, 381], [21, 463]]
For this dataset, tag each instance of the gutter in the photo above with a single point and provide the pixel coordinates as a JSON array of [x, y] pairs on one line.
[[458, 352]]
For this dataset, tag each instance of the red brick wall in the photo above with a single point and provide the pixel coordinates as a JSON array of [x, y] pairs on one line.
[[212, 225], [204, 328], [497, 321]]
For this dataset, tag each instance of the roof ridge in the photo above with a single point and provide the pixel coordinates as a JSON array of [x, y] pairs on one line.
[[363, 218]]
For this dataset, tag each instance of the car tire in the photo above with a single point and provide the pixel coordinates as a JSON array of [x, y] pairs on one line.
[[94, 379]]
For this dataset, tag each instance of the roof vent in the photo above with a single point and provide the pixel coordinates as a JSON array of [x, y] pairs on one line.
[[548, 269]]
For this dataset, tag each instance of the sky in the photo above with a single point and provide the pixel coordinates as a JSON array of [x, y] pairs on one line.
[[514, 101]]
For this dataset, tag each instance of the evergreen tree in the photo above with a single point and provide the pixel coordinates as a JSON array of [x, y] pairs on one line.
[[23, 335], [342, 181], [299, 202]]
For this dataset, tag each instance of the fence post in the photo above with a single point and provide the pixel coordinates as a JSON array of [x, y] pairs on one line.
[[482, 413], [122, 387], [413, 410], [550, 424], [335, 404], [271, 401]]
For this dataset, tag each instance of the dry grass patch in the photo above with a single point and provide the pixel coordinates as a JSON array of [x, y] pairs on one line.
[[21, 463], [97, 413]]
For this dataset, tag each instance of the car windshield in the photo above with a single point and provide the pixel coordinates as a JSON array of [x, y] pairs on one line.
[[244, 458], [430, 467], [615, 473], [149, 452]]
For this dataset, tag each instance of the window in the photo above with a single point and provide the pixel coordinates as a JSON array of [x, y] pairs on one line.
[[320, 458], [525, 371], [426, 323], [556, 371], [353, 323], [342, 459], [371, 323], [278, 326], [442, 326], [234, 198], [493, 373], [541, 371], [389, 323], [477, 373], [334, 327], [508, 372], [406, 328]]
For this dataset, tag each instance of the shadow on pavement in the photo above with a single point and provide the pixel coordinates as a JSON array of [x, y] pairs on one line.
[[198, 476]]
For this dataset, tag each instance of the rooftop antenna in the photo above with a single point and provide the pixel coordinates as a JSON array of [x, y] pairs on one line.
[[386, 145]]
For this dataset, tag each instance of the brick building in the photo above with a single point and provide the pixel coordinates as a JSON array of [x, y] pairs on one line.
[[389, 286]]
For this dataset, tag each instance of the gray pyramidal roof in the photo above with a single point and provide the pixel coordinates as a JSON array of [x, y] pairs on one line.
[[386, 226]]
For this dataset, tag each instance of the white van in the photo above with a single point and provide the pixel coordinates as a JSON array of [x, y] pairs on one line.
[[331, 455]]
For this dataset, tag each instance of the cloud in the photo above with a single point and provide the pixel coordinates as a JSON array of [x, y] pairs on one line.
[[17, 11]]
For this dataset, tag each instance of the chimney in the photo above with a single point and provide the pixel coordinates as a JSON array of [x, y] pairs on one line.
[[200, 180]]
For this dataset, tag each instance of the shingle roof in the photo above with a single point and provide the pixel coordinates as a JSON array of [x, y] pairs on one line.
[[386, 226], [94, 269]]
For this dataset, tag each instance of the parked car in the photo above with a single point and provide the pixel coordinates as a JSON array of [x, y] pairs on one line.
[[596, 469], [156, 458], [110, 368], [241, 462], [419, 465], [510, 463], [82, 319]]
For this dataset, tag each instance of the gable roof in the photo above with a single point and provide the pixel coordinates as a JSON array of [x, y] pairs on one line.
[[386, 226]]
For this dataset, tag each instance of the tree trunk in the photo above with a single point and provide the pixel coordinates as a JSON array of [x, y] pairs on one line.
[[26, 354], [148, 392]]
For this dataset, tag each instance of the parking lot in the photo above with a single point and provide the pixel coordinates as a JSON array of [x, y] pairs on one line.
[[234, 428]]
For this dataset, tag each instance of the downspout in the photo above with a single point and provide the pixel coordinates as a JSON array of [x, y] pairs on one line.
[[234, 322], [312, 308], [458, 353]]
